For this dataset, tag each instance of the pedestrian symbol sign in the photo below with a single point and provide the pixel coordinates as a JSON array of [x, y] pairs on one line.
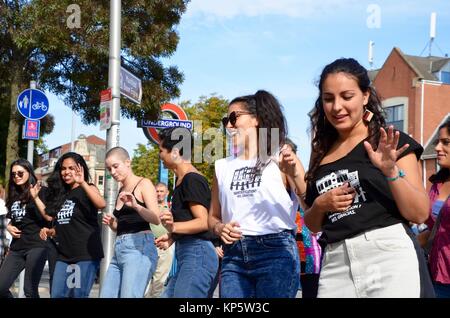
[[32, 104]]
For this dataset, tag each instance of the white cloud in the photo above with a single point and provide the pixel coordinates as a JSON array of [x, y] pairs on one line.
[[226, 9]]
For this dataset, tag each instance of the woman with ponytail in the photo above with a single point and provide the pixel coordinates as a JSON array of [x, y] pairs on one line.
[[251, 209]]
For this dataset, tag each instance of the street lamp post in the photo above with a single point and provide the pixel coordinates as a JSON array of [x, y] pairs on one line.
[[112, 134]]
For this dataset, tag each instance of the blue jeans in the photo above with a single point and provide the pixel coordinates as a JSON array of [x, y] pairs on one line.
[[441, 290], [264, 266], [132, 266], [197, 264], [74, 280]]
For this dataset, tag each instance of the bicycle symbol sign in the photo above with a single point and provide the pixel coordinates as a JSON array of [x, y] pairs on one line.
[[32, 104]]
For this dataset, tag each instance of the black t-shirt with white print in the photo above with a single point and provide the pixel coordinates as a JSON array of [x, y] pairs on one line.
[[77, 229], [27, 218], [193, 188], [373, 206]]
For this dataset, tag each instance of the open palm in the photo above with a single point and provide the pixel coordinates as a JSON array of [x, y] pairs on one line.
[[386, 155]]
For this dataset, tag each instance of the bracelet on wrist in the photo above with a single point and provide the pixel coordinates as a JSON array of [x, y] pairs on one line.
[[400, 174]]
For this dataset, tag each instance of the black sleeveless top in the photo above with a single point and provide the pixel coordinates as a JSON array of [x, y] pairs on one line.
[[128, 219]]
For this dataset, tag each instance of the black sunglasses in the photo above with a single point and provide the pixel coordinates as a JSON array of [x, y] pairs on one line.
[[18, 173], [232, 118]]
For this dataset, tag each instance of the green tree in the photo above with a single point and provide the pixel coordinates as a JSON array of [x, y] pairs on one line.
[[208, 111], [72, 61]]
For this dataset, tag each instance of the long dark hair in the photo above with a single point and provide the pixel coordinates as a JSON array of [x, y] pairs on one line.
[[324, 135], [16, 192], [269, 112], [443, 174], [57, 188]]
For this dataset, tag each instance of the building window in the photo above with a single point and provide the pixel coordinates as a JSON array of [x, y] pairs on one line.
[[445, 77], [100, 180], [394, 116]]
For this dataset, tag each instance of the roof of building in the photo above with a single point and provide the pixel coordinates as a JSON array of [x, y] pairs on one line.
[[424, 67]]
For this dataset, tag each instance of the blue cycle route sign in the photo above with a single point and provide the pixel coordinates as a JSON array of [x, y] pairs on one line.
[[32, 103]]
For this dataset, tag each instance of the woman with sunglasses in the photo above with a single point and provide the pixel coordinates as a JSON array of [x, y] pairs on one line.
[[74, 202], [27, 251], [251, 209]]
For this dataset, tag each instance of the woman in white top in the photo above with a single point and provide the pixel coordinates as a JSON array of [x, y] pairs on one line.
[[251, 209]]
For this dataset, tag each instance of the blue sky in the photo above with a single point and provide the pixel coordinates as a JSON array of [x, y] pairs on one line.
[[235, 47]]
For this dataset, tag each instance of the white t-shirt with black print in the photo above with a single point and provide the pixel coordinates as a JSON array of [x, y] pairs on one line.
[[258, 202]]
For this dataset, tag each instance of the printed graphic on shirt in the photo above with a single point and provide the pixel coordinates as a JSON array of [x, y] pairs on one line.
[[336, 179], [17, 211], [65, 214], [246, 182]]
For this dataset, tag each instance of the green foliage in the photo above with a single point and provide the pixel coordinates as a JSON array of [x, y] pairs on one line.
[[208, 110], [37, 43], [75, 61]]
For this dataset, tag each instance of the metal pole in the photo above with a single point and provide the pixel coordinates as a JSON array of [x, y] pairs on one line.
[[30, 151], [112, 134], [72, 143]]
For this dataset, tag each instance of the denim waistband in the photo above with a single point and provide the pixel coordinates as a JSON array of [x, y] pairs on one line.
[[271, 235], [137, 234]]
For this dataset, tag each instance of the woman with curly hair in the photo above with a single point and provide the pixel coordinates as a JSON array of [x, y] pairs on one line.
[[73, 201], [363, 187]]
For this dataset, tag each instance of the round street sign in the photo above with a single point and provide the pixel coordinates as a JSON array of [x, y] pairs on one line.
[[32, 103], [152, 133]]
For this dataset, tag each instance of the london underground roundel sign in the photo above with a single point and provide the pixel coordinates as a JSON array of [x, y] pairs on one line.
[[179, 119]]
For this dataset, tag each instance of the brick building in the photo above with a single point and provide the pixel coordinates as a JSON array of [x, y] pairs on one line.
[[416, 97]]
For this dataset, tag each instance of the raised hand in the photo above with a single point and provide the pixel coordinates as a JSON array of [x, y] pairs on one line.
[[78, 175], [288, 161], [386, 155], [336, 200], [128, 199], [34, 190]]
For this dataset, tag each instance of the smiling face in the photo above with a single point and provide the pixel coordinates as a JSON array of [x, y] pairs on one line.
[[245, 126], [343, 101], [68, 168], [19, 175], [442, 148]]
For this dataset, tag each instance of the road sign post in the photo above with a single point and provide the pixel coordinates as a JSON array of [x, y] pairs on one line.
[[32, 104]]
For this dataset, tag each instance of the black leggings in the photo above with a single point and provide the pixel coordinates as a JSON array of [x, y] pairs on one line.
[[33, 260]]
